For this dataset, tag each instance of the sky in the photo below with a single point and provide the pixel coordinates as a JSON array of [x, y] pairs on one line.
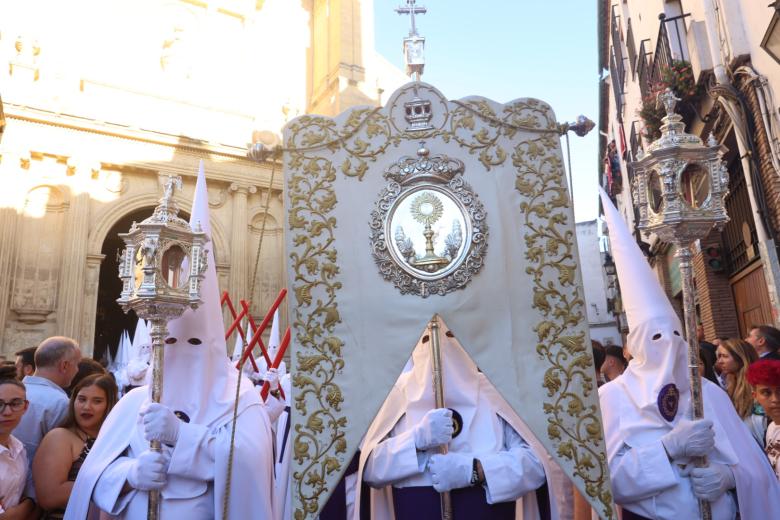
[[508, 49]]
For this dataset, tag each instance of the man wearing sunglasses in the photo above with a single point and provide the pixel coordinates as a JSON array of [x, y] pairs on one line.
[[13, 459]]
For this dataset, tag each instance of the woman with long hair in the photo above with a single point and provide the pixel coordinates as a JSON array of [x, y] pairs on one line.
[[734, 358], [63, 450]]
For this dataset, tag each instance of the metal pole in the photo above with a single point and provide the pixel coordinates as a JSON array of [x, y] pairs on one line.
[[159, 332], [684, 254], [438, 394]]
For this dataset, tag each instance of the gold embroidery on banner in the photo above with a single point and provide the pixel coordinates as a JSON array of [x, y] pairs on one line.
[[574, 428], [314, 261], [319, 442]]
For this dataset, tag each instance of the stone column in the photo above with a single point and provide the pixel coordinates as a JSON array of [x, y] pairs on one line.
[[91, 282], [70, 293], [239, 231], [9, 221]]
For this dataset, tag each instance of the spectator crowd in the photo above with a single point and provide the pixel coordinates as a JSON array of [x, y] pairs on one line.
[[52, 404]]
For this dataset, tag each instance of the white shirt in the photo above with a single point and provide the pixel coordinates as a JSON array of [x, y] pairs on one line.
[[773, 447], [13, 473], [48, 407]]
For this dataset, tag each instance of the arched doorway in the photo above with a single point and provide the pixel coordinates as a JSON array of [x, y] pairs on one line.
[[110, 319]]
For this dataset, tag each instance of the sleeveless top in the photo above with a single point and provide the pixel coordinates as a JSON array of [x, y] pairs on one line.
[[57, 514]]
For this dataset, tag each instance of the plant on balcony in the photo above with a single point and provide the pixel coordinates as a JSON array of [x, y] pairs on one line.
[[679, 78]]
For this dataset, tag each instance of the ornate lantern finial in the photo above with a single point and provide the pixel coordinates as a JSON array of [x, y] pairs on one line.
[[669, 99]]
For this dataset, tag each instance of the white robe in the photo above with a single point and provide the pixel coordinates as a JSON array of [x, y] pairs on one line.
[[282, 488], [648, 483], [513, 468], [510, 472], [197, 471]]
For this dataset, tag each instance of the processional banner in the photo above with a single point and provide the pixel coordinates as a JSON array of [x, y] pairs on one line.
[[429, 206]]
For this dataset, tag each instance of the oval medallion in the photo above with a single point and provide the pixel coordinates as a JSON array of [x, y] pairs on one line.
[[428, 231], [668, 400]]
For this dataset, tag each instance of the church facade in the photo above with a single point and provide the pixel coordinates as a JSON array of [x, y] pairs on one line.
[[99, 110]]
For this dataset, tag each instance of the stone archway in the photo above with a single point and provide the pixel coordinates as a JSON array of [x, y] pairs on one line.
[[110, 319]]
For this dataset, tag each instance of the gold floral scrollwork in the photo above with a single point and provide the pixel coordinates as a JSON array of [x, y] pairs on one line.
[[573, 427], [319, 443], [314, 261]]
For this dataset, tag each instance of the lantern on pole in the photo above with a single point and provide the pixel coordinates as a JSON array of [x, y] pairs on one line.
[[680, 186], [161, 268]]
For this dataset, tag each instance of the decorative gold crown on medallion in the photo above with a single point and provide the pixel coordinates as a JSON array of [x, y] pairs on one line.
[[438, 169]]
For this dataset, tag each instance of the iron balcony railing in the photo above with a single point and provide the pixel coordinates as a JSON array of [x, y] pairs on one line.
[[617, 87], [665, 53], [617, 49], [671, 45], [631, 47], [644, 61]]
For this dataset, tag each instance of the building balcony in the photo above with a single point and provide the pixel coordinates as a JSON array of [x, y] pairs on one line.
[[671, 45]]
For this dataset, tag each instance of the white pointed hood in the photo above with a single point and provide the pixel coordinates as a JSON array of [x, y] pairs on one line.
[[467, 391], [273, 344], [141, 355], [238, 349], [142, 342], [109, 361], [199, 379], [655, 338]]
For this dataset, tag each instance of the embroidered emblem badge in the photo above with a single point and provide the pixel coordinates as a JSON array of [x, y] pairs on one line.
[[668, 400], [457, 423]]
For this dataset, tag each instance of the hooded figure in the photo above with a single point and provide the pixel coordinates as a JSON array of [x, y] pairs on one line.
[[650, 439], [141, 354], [121, 361], [193, 422], [400, 453]]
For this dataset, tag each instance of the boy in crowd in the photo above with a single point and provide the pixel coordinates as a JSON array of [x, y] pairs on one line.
[[764, 376]]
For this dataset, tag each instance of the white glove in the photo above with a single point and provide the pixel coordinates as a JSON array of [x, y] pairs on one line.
[[689, 439], [434, 429], [711, 482], [149, 471], [451, 471], [160, 424], [272, 376]]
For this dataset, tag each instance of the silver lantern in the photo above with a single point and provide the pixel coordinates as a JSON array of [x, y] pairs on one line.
[[161, 267], [680, 186]]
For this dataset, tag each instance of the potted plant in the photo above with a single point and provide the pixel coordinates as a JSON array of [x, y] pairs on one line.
[[678, 77]]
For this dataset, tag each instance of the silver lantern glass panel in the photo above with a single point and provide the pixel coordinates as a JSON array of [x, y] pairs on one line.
[[680, 183]]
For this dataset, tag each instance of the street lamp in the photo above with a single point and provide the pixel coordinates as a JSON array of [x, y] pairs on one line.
[[609, 265], [680, 187], [161, 268], [771, 41]]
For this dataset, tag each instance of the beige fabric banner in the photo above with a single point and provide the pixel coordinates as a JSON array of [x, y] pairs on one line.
[[486, 240]]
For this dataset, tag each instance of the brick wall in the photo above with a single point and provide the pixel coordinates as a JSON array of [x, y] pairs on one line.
[[770, 181], [717, 311]]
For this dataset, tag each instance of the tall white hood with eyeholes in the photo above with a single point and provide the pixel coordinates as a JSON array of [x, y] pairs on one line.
[[655, 338], [199, 378]]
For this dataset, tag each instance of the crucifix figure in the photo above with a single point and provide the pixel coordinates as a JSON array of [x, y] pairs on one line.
[[414, 44]]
